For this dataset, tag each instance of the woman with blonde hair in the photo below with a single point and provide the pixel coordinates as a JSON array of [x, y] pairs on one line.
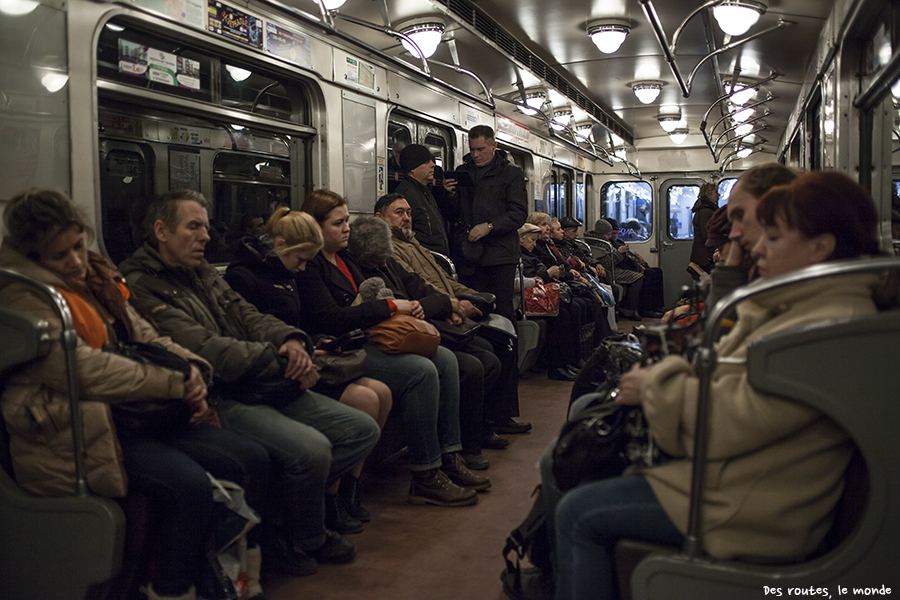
[[263, 273]]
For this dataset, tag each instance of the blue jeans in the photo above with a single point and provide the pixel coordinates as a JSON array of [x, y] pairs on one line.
[[426, 392], [590, 519], [311, 441], [169, 466]]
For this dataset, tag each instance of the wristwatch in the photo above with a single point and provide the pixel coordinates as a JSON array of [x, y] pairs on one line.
[[490, 226]]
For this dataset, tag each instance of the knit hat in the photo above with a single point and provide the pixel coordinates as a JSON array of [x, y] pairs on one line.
[[602, 227], [612, 223], [717, 228], [414, 155]]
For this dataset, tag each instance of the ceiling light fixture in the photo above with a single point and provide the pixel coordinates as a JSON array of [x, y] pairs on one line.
[[535, 99], [742, 94], [736, 17], [744, 114], [54, 81], [17, 7], [670, 118], [426, 33], [584, 131], [332, 4], [743, 129], [237, 73], [608, 34], [647, 91], [744, 152], [679, 135]]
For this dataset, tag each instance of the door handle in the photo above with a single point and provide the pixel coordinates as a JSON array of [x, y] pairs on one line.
[[668, 244], [654, 250]]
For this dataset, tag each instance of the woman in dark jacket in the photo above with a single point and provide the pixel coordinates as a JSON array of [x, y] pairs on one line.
[[426, 390], [263, 273], [707, 203]]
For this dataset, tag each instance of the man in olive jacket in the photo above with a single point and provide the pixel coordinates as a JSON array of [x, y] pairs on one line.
[[485, 244], [313, 439]]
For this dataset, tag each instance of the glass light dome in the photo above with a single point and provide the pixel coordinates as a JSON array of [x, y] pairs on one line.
[[427, 36], [736, 17]]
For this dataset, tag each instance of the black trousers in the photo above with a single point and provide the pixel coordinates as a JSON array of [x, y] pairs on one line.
[[479, 370]]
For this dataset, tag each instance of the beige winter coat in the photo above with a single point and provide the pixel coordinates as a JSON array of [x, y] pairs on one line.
[[35, 402], [776, 468]]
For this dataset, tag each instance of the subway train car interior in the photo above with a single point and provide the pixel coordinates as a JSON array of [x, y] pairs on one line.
[[611, 109]]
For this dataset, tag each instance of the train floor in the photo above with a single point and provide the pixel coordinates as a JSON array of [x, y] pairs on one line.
[[415, 553]]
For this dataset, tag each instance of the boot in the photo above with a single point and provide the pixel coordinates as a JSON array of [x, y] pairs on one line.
[[434, 487], [254, 566], [191, 594], [336, 517], [349, 491], [455, 468]]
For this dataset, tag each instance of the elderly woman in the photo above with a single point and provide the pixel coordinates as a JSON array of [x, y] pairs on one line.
[[263, 273], [426, 391], [776, 467], [563, 345], [159, 413]]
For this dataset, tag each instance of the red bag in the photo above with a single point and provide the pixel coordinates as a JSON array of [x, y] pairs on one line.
[[542, 300]]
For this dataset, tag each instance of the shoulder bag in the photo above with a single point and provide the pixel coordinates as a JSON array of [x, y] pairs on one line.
[[542, 300], [456, 337], [403, 333]]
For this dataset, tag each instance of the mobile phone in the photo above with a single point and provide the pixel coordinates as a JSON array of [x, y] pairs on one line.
[[463, 179]]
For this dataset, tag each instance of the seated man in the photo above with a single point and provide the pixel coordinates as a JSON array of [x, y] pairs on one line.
[[502, 398], [311, 439]]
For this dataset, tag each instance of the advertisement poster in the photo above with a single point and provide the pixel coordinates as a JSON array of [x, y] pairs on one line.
[[360, 73], [189, 12], [288, 45], [158, 66], [235, 24]]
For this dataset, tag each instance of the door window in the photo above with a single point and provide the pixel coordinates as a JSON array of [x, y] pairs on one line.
[[631, 202], [725, 187], [681, 199]]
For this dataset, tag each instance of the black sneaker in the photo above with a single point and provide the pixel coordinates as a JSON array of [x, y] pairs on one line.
[[337, 550]]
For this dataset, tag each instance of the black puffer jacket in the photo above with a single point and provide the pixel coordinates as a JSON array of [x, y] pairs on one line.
[[264, 281], [499, 198]]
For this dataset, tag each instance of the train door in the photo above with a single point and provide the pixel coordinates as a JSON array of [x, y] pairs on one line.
[[677, 198], [237, 133]]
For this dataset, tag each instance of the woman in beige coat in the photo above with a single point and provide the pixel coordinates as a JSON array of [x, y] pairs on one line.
[[775, 467], [163, 443]]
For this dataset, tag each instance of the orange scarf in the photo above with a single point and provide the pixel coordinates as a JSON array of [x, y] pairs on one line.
[[87, 322]]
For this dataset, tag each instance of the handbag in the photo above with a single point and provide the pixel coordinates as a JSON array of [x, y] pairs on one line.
[[339, 368], [403, 333], [150, 353], [542, 300], [456, 337]]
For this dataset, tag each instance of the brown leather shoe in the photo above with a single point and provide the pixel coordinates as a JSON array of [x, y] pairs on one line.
[[455, 468], [434, 487]]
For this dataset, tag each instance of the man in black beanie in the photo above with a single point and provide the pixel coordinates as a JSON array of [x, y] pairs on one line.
[[417, 165]]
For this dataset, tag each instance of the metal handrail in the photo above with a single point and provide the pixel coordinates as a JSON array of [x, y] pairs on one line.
[[69, 340], [706, 360]]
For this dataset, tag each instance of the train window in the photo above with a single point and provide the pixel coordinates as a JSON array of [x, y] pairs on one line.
[[579, 196], [630, 200], [135, 58], [725, 187], [253, 92], [126, 177], [681, 199]]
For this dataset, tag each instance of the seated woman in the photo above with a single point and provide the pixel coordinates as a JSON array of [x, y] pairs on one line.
[[563, 331], [776, 467], [427, 390], [160, 415], [263, 273]]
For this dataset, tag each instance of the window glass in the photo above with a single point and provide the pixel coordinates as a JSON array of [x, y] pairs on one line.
[[579, 197], [630, 201], [725, 187], [680, 200], [399, 137], [254, 93]]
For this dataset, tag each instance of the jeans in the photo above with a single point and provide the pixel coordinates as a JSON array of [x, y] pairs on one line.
[[169, 466], [311, 441], [590, 519], [426, 392]]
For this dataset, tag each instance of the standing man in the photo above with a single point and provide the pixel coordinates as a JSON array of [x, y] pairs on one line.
[[486, 243], [417, 166]]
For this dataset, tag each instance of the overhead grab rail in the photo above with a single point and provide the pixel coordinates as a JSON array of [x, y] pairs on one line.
[[670, 50], [325, 20], [715, 148]]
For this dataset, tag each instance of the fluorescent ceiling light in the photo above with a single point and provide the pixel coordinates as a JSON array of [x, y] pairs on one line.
[[608, 34], [426, 35], [736, 17]]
